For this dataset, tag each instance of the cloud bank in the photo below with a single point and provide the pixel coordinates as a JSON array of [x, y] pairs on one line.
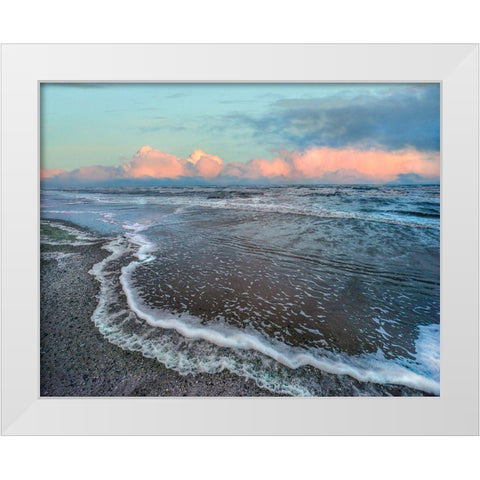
[[316, 164]]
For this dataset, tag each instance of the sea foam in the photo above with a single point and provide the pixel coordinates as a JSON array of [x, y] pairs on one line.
[[211, 349]]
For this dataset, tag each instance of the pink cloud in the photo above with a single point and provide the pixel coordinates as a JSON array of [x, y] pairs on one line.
[[198, 155], [205, 165], [261, 168], [148, 162], [376, 164], [321, 164], [50, 172]]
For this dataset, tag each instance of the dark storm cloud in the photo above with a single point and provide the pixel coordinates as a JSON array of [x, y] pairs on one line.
[[394, 118]]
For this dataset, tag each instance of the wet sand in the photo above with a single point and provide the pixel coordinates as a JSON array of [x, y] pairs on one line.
[[76, 360]]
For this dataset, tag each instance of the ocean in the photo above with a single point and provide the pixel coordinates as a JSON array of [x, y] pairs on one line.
[[301, 288]]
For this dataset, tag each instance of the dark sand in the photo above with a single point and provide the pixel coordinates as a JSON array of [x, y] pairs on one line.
[[76, 360]]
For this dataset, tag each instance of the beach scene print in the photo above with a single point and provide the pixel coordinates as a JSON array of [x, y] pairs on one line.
[[240, 239]]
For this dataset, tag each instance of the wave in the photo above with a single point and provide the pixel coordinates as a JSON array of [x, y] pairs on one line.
[[288, 210], [187, 346], [256, 202], [417, 213]]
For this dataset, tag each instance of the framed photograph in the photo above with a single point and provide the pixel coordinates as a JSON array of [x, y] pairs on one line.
[[240, 239]]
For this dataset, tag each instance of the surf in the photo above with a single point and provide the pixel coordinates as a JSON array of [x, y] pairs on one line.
[[238, 351]]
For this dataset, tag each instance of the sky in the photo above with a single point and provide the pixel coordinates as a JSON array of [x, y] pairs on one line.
[[240, 133]]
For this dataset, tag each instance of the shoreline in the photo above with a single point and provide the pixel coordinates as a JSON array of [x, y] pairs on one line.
[[76, 360]]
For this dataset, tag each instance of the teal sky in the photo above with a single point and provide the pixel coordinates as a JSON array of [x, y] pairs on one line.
[[105, 124]]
